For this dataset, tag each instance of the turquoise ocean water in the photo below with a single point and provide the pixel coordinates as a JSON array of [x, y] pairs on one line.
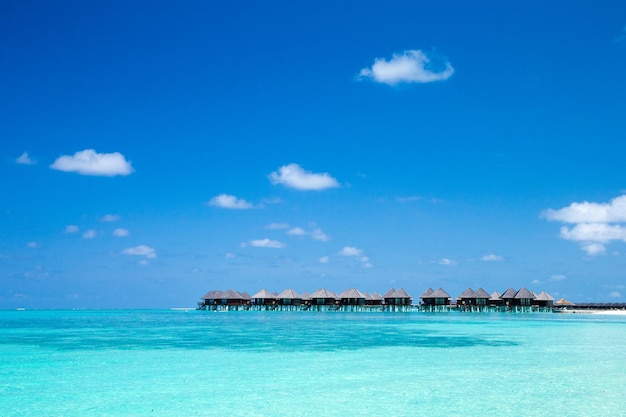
[[176, 363]]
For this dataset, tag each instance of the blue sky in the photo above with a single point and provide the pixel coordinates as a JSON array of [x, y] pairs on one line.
[[153, 151]]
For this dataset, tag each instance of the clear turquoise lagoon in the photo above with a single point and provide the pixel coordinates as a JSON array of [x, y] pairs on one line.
[[177, 363]]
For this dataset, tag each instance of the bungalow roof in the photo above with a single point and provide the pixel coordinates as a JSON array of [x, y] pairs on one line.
[[305, 296], [212, 295], [510, 293], [264, 294], [495, 296], [232, 295], [352, 293], [323, 293], [400, 293], [524, 293], [289, 293], [376, 296], [439, 293], [389, 294], [468, 293], [544, 296], [480, 293], [427, 293]]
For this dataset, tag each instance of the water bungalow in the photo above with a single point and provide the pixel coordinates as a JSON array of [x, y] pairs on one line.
[[352, 299]]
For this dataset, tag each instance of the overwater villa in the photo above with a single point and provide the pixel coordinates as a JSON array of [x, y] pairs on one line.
[[352, 299]]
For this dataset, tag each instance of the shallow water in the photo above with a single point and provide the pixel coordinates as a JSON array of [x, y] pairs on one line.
[[176, 363]]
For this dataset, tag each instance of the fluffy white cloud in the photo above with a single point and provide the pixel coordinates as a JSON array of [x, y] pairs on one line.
[[141, 250], [72, 228], [264, 243], [89, 162], [557, 278], [121, 232], [89, 234], [296, 231], [491, 258], [108, 218], [411, 66], [595, 224], [324, 260], [294, 176], [317, 234], [446, 261], [230, 202], [586, 212], [32, 245], [350, 251], [24, 159]]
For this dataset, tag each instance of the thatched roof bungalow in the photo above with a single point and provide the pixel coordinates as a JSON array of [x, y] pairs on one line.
[[523, 297], [508, 297], [352, 297], [264, 298], [544, 299], [398, 297], [289, 297], [466, 297], [436, 298], [374, 299], [495, 299], [324, 297], [481, 297]]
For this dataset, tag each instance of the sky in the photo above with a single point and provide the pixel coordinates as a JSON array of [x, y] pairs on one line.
[[153, 151]]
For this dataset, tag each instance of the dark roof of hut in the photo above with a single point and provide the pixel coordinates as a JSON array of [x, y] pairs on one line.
[[323, 293], [510, 293], [212, 295], [400, 293], [480, 293], [495, 296], [439, 293], [544, 296], [232, 295], [289, 293], [524, 293], [352, 293], [468, 293], [389, 294], [264, 294], [427, 293]]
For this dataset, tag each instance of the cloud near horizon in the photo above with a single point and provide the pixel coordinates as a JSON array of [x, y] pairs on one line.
[[410, 66], [264, 243], [594, 224], [141, 250], [491, 258], [89, 162], [230, 202], [294, 176]]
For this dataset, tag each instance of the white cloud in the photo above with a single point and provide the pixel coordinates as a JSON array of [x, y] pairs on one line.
[[121, 232], [446, 261], [89, 234], [411, 66], [491, 258], [324, 260], [89, 162], [264, 243], [141, 250], [317, 234], [350, 251], [229, 255], [357, 253], [108, 218], [71, 228], [294, 176], [32, 245], [595, 224], [230, 202], [277, 226], [24, 159], [585, 212], [296, 231], [408, 199], [536, 282], [615, 294]]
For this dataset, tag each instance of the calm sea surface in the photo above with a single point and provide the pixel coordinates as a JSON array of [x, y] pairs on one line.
[[176, 363]]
